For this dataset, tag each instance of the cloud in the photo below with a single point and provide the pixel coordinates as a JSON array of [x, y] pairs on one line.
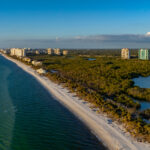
[[91, 41], [148, 34], [115, 38]]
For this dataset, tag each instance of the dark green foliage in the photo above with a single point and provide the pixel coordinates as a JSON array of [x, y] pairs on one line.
[[139, 93], [101, 52], [145, 114], [105, 82]]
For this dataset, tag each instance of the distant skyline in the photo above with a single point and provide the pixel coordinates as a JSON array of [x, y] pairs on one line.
[[75, 23]]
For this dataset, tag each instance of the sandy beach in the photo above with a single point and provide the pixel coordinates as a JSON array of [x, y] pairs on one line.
[[110, 133]]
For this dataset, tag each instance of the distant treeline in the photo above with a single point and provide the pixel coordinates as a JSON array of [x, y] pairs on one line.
[[102, 52]]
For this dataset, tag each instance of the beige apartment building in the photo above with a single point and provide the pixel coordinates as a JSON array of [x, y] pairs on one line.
[[57, 51], [37, 52], [125, 53], [50, 51], [18, 52], [65, 52]]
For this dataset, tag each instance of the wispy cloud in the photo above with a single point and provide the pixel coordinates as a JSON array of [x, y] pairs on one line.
[[148, 34], [91, 41], [116, 38]]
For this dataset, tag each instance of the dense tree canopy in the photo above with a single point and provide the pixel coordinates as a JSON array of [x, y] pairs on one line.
[[105, 82]]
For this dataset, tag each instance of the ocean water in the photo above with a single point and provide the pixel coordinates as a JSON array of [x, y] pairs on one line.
[[31, 119]]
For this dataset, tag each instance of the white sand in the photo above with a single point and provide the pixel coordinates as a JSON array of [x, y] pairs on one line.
[[112, 135]]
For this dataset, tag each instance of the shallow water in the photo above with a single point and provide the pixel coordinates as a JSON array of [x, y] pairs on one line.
[[143, 82], [31, 119]]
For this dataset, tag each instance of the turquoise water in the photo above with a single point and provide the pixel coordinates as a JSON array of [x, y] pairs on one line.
[[31, 119], [143, 82]]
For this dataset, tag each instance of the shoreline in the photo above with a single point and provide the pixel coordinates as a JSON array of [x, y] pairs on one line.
[[110, 135]]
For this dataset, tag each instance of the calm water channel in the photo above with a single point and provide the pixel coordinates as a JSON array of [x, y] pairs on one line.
[[143, 82]]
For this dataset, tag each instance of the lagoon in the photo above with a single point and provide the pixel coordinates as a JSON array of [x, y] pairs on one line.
[[143, 82]]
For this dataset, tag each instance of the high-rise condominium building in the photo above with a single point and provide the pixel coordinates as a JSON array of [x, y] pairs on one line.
[[144, 54], [125, 53], [57, 51], [50, 51], [18, 52]]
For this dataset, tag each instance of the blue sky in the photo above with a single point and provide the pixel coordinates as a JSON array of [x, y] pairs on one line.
[[74, 23]]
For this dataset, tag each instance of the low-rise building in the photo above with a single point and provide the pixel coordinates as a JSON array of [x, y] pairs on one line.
[[125, 53], [36, 63], [65, 52], [26, 59], [5, 51], [18, 52], [144, 54], [41, 71]]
